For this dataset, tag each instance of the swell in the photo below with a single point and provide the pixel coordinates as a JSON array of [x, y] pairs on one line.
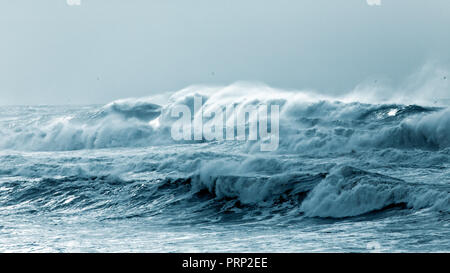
[[344, 192]]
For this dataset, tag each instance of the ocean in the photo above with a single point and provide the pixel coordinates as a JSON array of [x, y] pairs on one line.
[[347, 176]]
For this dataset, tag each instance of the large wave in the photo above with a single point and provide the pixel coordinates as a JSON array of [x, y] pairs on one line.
[[203, 186], [350, 192], [308, 122]]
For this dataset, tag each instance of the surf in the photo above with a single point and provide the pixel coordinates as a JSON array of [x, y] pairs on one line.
[[308, 122]]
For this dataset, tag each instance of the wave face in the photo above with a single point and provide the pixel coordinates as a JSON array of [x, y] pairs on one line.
[[377, 171], [307, 122]]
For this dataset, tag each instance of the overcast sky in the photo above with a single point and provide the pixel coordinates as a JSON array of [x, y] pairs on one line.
[[101, 50]]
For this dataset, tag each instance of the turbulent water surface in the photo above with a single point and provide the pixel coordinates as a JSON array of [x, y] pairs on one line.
[[347, 176]]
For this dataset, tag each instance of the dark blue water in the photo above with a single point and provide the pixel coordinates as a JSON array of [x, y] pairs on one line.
[[346, 177]]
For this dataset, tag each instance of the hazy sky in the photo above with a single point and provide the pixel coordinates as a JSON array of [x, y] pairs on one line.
[[101, 50]]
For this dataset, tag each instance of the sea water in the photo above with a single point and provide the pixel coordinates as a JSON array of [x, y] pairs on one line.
[[348, 176]]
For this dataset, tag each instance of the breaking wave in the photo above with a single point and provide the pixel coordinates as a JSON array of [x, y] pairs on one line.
[[308, 122], [344, 192], [335, 159]]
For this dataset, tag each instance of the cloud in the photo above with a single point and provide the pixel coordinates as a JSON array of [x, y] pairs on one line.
[[374, 2]]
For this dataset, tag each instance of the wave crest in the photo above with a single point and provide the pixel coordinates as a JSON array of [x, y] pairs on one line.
[[308, 122], [351, 192]]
